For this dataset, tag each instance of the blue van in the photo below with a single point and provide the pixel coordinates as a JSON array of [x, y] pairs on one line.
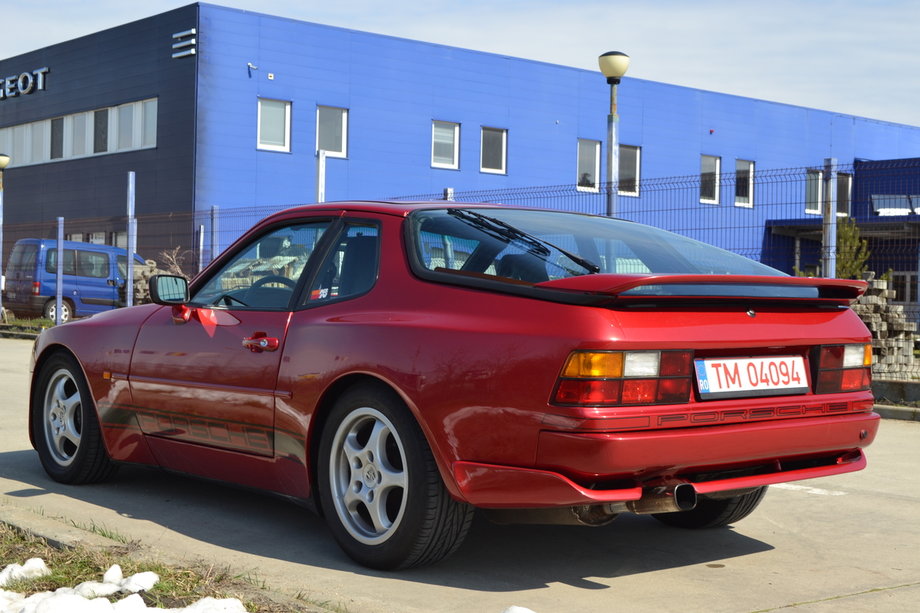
[[94, 278]]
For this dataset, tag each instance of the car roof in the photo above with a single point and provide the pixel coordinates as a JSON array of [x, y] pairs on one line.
[[390, 207]]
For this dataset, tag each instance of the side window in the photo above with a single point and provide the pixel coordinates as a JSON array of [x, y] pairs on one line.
[[350, 268], [69, 261], [92, 264], [264, 274]]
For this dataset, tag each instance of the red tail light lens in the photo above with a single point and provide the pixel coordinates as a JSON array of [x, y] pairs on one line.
[[36, 288], [844, 368], [613, 378]]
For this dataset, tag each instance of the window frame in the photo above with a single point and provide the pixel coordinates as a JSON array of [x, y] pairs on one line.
[[455, 127], [597, 165], [845, 196], [637, 178], [262, 146], [716, 179], [814, 177], [343, 127], [503, 170], [744, 175]]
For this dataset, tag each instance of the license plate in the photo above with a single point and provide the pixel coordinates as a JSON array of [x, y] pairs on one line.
[[737, 377]]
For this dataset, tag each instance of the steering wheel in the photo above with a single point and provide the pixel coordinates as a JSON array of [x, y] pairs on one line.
[[273, 279]]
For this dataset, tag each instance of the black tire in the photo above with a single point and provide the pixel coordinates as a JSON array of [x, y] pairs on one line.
[[379, 487], [51, 307], [715, 512], [65, 427]]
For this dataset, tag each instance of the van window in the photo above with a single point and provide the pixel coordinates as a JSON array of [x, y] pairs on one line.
[[92, 264], [79, 262], [22, 259], [51, 262]]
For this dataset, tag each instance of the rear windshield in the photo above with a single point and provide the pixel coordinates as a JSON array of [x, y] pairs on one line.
[[22, 259], [536, 245]]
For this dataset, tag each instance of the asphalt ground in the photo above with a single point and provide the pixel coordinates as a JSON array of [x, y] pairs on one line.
[[844, 543]]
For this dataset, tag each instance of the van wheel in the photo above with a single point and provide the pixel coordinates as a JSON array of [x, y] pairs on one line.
[[50, 310]]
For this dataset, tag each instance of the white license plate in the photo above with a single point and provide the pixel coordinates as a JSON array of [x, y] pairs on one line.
[[736, 377]]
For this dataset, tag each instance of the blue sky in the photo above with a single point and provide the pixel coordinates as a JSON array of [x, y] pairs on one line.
[[859, 57]]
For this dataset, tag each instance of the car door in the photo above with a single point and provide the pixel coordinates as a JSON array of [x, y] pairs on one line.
[[95, 280], [206, 374]]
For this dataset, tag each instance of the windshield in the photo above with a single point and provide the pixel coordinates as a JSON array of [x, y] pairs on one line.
[[534, 245]]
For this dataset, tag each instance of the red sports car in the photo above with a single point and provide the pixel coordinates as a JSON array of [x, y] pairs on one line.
[[399, 365]]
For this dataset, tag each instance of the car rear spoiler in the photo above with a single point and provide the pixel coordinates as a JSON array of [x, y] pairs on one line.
[[638, 287]]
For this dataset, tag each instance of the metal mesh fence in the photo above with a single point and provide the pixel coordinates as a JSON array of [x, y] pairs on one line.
[[773, 216]]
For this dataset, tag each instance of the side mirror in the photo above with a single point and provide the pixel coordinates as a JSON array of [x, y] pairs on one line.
[[168, 289]]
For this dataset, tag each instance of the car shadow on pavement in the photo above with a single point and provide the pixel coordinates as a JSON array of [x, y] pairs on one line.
[[494, 558]]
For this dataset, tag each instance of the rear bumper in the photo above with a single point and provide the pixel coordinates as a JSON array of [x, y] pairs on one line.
[[713, 459]]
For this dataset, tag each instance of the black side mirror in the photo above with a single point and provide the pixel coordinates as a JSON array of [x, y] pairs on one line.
[[168, 289]]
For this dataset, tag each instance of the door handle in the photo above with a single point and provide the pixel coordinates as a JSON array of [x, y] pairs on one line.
[[259, 342]]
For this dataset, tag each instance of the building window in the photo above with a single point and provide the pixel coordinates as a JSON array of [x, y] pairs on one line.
[[57, 138], [814, 191], [78, 134], [332, 131], [274, 125], [39, 142], [445, 144], [844, 193], [709, 178], [744, 183], [494, 156], [629, 170], [101, 131], [149, 130], [904, 285], [589, 165], [126, 127]]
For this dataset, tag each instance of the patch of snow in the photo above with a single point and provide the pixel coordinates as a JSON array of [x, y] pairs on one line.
[[91, 596]]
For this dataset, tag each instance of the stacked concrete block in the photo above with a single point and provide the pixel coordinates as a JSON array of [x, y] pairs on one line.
[[893, 335]]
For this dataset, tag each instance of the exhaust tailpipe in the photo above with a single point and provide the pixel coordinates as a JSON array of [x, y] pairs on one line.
[[660, 499]]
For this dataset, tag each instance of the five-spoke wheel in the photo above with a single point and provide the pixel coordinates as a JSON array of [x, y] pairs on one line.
[[65, 428], [380, 489]]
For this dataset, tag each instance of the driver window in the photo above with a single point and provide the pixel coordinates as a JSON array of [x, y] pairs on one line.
[[264, 274]]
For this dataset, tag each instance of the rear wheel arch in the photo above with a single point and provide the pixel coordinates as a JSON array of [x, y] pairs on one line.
[[327, 403]]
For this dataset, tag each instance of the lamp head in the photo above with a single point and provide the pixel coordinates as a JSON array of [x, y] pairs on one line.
[[613, 65], [4, 161]]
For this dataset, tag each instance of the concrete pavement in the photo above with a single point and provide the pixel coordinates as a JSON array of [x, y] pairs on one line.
[[843, 543]]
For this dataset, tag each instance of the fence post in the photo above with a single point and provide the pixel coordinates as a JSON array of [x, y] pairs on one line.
[[132, 242], [59, 273], [321, 175], [215, 216], [829, 235], [200, 247]]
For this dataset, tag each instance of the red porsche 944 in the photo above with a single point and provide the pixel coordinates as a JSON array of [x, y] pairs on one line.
[[398, 366]]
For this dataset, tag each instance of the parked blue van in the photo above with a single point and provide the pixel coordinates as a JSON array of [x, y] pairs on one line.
[[94, 278]]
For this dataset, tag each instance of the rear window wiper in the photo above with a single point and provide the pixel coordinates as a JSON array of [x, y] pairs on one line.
[[503, 230]]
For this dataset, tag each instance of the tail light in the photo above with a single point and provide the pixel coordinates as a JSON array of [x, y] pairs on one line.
[[614, 378], [36, 288], [844, 368]]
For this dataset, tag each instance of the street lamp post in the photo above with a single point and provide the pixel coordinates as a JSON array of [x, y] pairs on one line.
[[4, 162], [613, 65]]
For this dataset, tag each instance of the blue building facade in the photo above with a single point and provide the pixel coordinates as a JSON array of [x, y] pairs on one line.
[[217, 107]]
